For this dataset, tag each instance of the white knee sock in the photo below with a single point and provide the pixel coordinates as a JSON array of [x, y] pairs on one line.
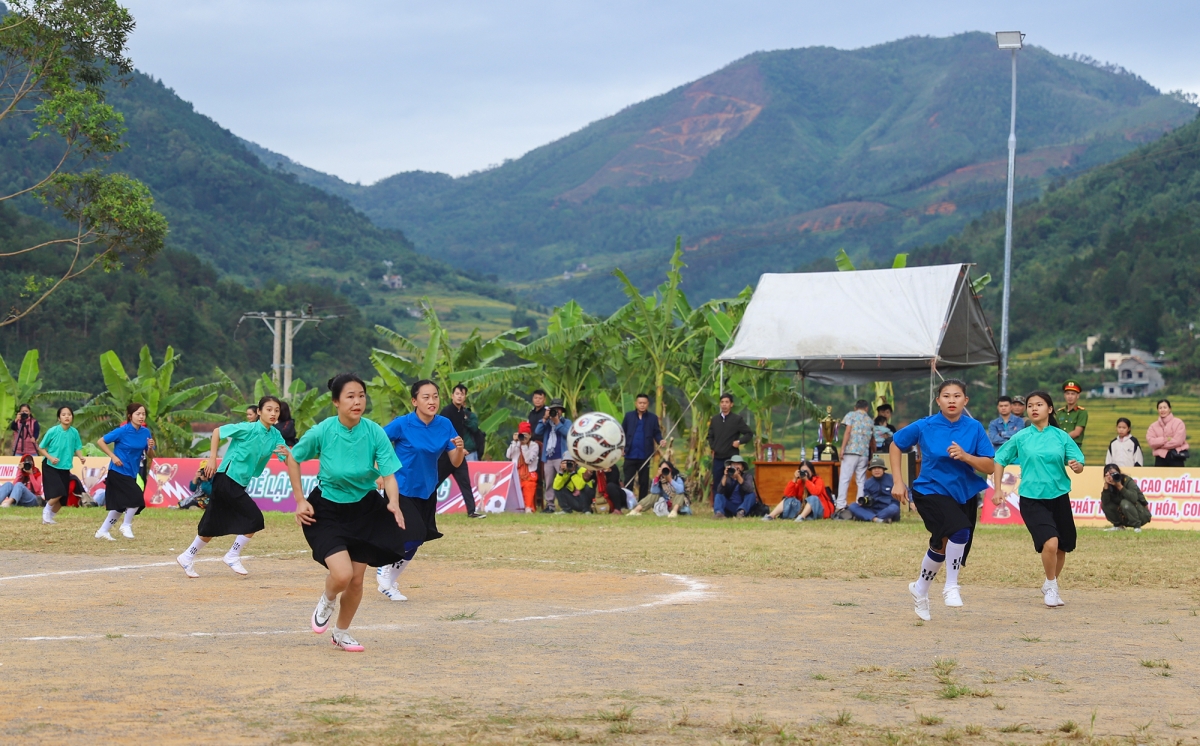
[[954, 555], [47, 513], [129, 514], [235, 551], [197, 545], [391, 572], [110, 521], [930, 564]]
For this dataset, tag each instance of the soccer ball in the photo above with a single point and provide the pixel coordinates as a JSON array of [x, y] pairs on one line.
[[596, 440]]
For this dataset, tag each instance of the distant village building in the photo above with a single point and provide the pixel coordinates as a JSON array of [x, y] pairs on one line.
[[1137, 373], [393, 282]]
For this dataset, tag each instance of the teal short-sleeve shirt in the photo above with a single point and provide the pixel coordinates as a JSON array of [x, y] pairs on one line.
[[351, 458], [62, 444], [250, 447]]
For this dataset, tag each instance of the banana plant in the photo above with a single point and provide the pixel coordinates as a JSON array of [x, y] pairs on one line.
[[25, 388], [171, 407]]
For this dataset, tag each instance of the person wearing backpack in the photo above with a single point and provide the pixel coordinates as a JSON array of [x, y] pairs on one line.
[[1122, 501], [1124, 450]]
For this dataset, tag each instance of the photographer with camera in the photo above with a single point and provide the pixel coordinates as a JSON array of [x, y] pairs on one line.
[[734, 496], [26, 431], [875, 501], [805, 498], [552, 430], [575, 487], [524, 452], [25, 490], [667, 485]]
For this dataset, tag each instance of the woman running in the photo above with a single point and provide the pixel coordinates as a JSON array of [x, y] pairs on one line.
[[946, 493], [132, 443], [1043, 450], [420, 437], [59, 447], [231, 511], [346, 522]]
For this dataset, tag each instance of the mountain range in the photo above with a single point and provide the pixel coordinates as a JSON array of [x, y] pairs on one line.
[[774, 161]]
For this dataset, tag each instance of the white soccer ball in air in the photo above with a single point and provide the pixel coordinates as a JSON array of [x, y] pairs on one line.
[[596, 440]]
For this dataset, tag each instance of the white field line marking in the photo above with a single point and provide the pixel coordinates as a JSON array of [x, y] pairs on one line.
[[694, 590], [120, 568]]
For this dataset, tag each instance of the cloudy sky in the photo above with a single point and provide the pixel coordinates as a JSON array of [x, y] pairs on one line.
[[367, 88]]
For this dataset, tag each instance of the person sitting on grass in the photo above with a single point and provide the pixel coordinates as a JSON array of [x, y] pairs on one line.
[[200, 488], [575, 487], [668, 486], [875, 502], [804, 498], [734, 496], [25, 490], [1122, 501]]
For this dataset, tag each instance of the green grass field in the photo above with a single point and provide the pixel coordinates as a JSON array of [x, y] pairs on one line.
[[1003, 556]]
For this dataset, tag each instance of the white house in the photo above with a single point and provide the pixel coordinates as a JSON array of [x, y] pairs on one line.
[[1137, 375]]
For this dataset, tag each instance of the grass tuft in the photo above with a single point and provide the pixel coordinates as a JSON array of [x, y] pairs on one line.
[[552, 733], [843, 718], [617, 716], [928, 719], [460, 616], [1068, 726], [973, 729]]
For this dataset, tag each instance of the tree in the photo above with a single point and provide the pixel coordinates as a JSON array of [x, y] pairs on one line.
[[171, 407], [308, 406], [26, 388], [56, 57]]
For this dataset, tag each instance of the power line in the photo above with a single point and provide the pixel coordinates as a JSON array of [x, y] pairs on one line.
[[284, 326]]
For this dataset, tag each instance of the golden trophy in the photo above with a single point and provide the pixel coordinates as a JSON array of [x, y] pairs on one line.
[[828, 432]]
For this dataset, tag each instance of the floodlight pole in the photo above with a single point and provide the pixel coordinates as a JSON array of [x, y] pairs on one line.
[[1008, 219]]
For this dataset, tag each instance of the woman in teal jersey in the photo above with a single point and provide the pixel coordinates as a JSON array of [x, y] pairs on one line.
[[1045, 453], [59, 447], [232, 512], [346, 522]]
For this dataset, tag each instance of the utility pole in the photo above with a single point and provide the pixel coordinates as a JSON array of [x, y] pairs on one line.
[[1012, 41], [284, 326]]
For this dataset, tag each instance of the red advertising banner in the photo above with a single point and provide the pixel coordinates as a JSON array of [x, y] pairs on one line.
[[492, 486], [91, 474], [272, 490], [1173, 495]]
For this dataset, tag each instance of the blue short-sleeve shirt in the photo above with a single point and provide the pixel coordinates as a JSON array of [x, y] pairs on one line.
[[418, 447], [129, 444], [940, 474]]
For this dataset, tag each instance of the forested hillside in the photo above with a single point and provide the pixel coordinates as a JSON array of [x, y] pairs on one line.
[[1114, 253], [777, 159]]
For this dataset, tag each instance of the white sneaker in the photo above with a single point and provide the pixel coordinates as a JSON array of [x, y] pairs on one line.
[[185, 561], [1050, 594], [344, 641], [102, 534], [49, 520], [393, 594], [1137, 530], [126, 530], [1115, 528], [951, 596], [322, 614], [235, 564], [920, 603]]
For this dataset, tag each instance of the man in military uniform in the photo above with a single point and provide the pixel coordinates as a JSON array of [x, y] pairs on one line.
[[1072, 417]]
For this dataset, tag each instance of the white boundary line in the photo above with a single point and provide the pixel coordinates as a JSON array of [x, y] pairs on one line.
[[694, 590], [120, 568]]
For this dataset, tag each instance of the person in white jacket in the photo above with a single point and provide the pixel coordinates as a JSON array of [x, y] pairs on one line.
[[1124, 450], [523, 451]]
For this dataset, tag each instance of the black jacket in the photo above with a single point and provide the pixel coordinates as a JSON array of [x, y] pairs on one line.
[[535, 416], [723, 431], [464, 423]]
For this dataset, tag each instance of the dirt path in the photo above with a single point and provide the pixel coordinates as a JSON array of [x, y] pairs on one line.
[[496, 655]]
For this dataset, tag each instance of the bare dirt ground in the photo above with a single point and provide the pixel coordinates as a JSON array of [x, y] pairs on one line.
[[518, 655]]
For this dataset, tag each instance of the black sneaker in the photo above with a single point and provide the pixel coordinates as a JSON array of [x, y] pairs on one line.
[[476, 515]]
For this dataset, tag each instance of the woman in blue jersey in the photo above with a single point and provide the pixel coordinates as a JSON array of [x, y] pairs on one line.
[[946, 493], [231, 511], [420, 437], [131, 445], [59, 448], [346, 522]]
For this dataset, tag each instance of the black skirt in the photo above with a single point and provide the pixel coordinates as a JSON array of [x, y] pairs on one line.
[[366, 529], [230, 511], [427, 509], [1050, 519], [122, 493], [944, 516], [55, 482]]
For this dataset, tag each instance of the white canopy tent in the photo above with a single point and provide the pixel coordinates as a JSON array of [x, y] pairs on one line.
[[868, 325]]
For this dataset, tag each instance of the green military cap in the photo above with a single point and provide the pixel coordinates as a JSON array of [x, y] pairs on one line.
[[1072, 385]]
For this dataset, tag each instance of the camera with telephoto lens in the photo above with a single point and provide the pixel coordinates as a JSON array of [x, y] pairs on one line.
[[805, 474], [864, 500], [24, 416]]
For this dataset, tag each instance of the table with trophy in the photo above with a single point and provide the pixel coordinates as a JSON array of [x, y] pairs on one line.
[[771, 477]]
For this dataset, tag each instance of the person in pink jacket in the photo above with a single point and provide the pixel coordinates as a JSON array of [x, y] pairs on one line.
[[1168, 437]]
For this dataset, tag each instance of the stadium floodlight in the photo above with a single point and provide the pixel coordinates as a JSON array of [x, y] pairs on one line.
[[1010, 40]]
